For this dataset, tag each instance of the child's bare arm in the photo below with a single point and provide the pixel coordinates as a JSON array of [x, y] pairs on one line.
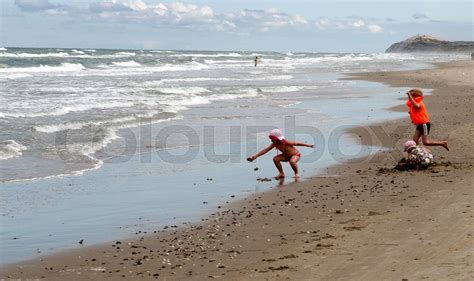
[[415, 104], [262, 152], [297, 143]]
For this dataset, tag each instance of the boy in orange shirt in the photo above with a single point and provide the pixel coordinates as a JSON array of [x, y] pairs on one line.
[[420, 118]]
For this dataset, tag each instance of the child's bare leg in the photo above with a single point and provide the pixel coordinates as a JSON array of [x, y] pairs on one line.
[[277, 160], [416, 136], [428, 142], [294, 164]]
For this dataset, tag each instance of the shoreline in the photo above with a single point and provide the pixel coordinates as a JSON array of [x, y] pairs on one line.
[[96, 198], [296, 240], [77, 160]]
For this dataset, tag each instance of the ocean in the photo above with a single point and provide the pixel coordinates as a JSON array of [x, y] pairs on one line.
[[93, 140]]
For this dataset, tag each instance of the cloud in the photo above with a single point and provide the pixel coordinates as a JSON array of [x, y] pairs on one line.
[[118, 6], [359, 23], [418, 16], [322, 24], [44, 6], [175, 13], [103, 7], [300, 20], [374, 28], [264, 20], [349, 23], [191, 10], [179, 13], [193, 16], [34, 5]]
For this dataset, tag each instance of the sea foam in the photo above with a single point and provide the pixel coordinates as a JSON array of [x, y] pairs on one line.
[[10, 149], [30, 55], [127, 54], [183, 90], [62, 110], [79, 125], [130, 63], [208, 55], [63, 67], [78, 52], [282, 89]]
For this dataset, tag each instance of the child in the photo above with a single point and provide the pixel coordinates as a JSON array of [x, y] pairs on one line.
[[289, 152], [419, 158], [419, 117]]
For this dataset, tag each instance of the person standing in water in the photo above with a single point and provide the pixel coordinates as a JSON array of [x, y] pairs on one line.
[[256, 60], [288, 152]]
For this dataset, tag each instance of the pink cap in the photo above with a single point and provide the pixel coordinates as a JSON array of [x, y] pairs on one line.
[[409, 144], [276, 133]]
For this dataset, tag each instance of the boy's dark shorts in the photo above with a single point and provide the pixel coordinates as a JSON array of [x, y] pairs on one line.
[[424, 129]]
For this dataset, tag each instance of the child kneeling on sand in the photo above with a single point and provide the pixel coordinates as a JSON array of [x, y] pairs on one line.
[[289, 152], [420, 118], [419, 158]]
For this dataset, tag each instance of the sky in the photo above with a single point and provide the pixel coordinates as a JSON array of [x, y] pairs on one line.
[[244, 25]]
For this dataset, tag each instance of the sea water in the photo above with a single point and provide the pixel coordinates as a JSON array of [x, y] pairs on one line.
[[96, 144]]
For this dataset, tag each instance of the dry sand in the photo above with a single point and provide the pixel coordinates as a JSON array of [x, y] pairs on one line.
[[366, 222]]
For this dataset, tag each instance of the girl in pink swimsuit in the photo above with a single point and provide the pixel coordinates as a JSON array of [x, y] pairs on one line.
[[288, 152]]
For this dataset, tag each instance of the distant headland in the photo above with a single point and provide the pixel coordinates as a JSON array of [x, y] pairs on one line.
[[426, 43]]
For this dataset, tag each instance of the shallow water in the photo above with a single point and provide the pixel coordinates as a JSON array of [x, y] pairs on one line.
[[162, 172], [59, 108], [144, 191]]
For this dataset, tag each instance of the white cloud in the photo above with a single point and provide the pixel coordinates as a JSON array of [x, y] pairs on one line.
[[101, 7], [56, 12], [359, 23], [300, 20], [176, 13], [264, 20], [191, 10], [193, 16], [374, 28], [322, 24], [136, 5], [225, 25], [348, 24]]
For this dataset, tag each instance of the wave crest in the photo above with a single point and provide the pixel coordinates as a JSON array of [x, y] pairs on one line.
[[10, 149], [63, 67], [183, 90], [130, 63]]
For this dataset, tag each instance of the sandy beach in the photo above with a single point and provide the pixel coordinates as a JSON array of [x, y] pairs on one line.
[[360, 221]]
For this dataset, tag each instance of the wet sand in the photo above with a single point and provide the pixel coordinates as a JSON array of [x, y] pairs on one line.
[[362, 221]]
